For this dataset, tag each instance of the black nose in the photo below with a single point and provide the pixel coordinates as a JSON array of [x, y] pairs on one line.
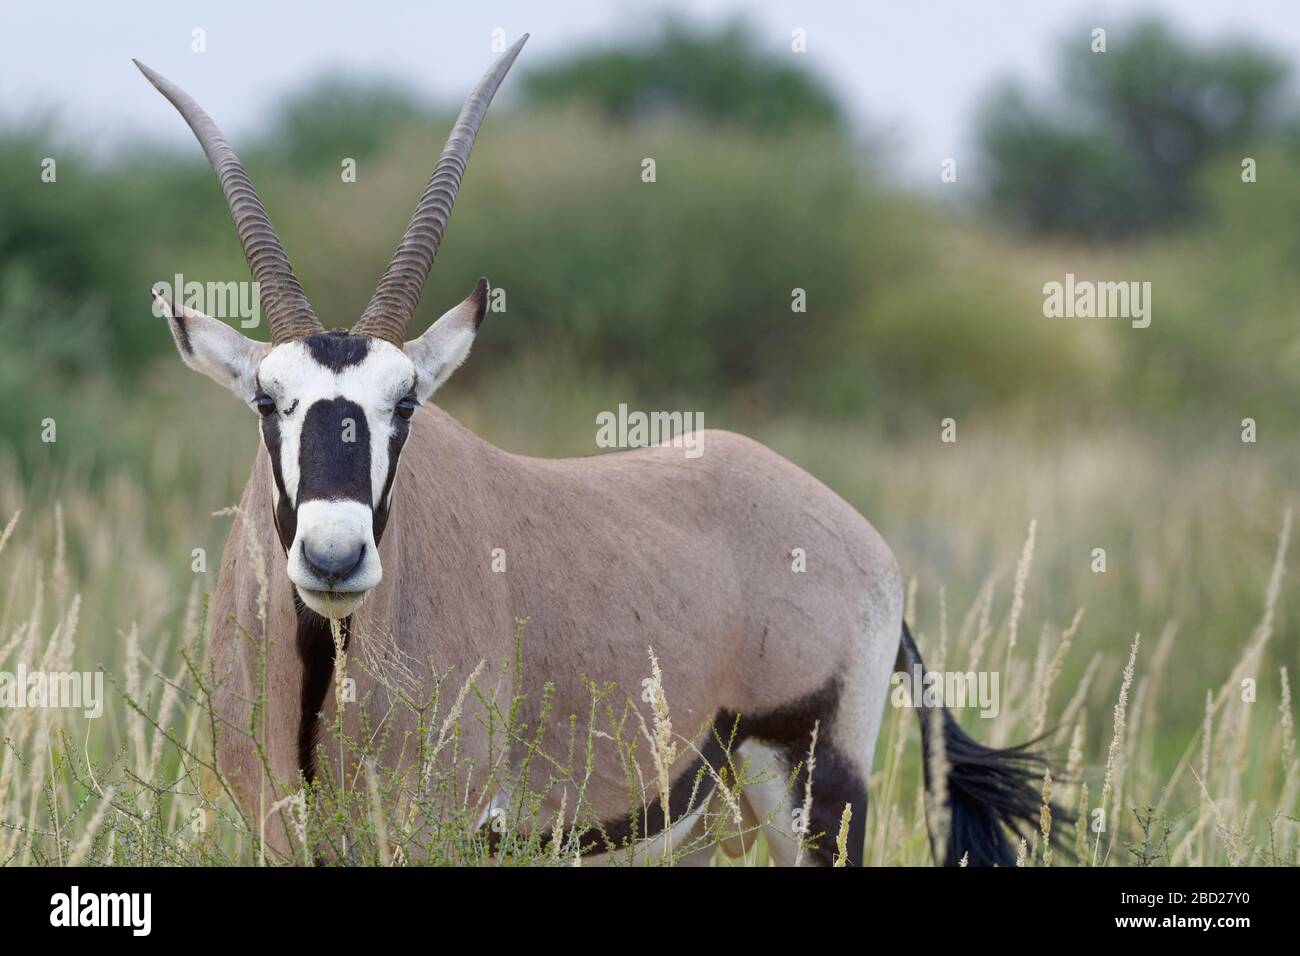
[[332, 564]]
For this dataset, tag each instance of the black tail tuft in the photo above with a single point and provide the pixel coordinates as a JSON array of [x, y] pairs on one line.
[[990, 792]]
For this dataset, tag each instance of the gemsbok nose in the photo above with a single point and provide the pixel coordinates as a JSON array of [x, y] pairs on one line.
[[333, 564]]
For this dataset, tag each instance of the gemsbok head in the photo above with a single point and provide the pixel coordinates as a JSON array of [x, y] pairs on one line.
[[335, 406], [371, 513]]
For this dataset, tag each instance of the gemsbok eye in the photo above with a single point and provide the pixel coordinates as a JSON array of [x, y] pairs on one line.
[[265, 405], [405, 408]]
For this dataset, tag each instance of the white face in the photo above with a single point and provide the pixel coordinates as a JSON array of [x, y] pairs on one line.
[[336, 412]]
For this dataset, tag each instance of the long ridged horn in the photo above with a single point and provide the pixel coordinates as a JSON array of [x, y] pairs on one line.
[[287, 310], [398, 292]]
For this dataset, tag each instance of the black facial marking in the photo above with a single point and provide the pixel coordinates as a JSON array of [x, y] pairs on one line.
[[290, 410], [401, 429], [337, 350], [286, 517], [329, 464]]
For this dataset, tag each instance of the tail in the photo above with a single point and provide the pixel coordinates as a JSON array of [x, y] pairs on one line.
[[990, 792]]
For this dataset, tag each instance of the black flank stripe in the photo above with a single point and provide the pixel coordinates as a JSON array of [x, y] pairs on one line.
[[788, 729]]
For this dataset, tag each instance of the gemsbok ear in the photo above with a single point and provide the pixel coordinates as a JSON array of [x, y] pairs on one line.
[[210, 346], [440, 350]]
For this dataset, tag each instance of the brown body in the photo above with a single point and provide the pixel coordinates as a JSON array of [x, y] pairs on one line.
[[773, 606], [606, 557]]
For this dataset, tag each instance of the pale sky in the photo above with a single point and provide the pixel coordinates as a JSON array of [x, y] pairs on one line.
[[912, 70]]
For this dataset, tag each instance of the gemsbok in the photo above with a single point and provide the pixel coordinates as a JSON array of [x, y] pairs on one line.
[[376, 509]]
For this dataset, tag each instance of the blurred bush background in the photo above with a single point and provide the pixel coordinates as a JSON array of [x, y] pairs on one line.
[[682, 288]]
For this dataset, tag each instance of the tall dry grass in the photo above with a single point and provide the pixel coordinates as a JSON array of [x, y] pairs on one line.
[[1175, 748]]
